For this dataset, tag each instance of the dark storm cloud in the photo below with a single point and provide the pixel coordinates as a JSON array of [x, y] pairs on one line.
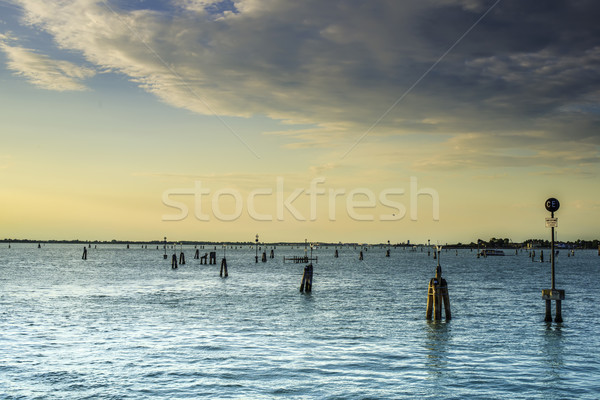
[[339, 65]]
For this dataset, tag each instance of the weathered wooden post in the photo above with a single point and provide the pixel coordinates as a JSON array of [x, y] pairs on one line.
[[223, 268], [174, 261], [437, 294], [272, 255], [387, 253], [197, 254], [213, 258], [165, 245], [84, 256], [264, 256], [256, 246], [224, 264], [181, 258], [548, 295], [306, 283], [336, 255]]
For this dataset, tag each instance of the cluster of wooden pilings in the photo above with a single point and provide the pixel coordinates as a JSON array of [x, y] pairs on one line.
[[437, 295], [307, 276]]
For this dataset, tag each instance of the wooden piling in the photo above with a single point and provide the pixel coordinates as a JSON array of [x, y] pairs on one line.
[[197, 254], [446, 299], [264, 256], [174, 261], [437, 295], [558, 316], [387, 253], [272, 254], [306, 283], [213, 258], [336, 253], [204, 258], [360, 256], [223, 268], [84, 256], [181, 258], [548, 317], [437, 301], [430, 294]]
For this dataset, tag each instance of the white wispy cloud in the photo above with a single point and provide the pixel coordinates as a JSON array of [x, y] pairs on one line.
[[43, 71]]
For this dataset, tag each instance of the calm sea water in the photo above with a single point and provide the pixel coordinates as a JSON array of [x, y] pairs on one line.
[[123, 325]]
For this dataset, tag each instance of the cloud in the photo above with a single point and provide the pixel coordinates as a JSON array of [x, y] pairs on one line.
[[44, 72], [337, 66]]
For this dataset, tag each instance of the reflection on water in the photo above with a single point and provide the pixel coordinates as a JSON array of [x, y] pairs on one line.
[[553, 349], [437, 337]]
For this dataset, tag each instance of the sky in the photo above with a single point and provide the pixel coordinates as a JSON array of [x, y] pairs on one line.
[[331, 121]]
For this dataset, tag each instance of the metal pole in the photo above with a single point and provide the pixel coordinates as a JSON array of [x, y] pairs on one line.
[[552, 253]]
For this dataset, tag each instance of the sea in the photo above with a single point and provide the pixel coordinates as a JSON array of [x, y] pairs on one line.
[[124, 325]]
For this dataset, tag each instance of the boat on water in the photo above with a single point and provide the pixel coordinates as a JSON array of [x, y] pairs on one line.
[[491, 252]]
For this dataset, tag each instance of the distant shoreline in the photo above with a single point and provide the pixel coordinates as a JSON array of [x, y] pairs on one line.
[[492, 243]]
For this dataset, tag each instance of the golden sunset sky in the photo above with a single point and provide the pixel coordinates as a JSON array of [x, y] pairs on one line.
[[114, 113]]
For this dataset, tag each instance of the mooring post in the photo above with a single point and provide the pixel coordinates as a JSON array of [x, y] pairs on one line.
[[437, 294], [272, 254], [360, 256], [197, 254], [336, 255], [264, 256], [223, 268], [306, 283], [213, 258], [84, 256], [256, 246], [181, 259], [165, 246], [174, 261]]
